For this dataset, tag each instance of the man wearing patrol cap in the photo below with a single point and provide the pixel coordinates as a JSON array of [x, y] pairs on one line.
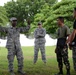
[[13, 18], [39, 35], [13, 45]]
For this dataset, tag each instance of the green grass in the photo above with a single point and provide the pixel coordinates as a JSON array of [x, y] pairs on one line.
[[39, 68]]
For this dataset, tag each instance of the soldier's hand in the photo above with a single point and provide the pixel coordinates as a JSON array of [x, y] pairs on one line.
[[70, 47], [28, 22], [28, 26], [55, 50], [67, 41]]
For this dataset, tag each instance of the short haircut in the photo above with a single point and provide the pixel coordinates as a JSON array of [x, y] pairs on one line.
[[61, 18], [75, 8]]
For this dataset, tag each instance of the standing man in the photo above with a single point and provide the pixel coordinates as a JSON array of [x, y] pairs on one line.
[[61, 48], [39, 35], [13, 45], [73, 40]]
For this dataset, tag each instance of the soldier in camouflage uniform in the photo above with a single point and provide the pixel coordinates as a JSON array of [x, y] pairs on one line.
[[72, 42], [61, 48], [13, 45], [39, 35]]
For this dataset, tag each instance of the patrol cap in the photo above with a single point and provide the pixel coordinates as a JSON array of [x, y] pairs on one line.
[[39, 23], [13, 19]]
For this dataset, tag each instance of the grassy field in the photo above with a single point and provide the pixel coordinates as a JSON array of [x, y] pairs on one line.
[[39, 68]]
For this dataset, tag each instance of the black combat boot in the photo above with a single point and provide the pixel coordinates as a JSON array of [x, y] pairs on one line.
[[60, 73], [12, 73], [68, 72], [21, 72], [74, 68]]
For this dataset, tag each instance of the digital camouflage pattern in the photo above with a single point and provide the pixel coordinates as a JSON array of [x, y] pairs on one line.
[[39, 35]]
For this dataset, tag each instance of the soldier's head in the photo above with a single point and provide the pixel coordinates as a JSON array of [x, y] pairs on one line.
[[74, 13], [13, 21], [60, 20], [39, 25]]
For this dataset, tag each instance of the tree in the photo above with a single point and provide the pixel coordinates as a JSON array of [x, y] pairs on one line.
[[25, 9], [63, 8], [3, 16], [48, 15], [43, 14], [3, 19]]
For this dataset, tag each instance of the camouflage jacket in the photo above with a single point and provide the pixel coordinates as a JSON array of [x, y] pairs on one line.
[[39, 35], [13, 35]]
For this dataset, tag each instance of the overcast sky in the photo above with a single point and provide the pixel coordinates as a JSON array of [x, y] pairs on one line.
[[5, 1]]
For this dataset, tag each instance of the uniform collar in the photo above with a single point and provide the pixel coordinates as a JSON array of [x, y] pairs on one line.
[[13, 27]]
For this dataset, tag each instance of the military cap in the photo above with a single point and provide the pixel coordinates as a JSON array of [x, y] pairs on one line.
[[39, 23], [13, 19]]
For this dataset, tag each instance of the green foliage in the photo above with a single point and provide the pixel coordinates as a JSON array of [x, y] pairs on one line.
[[63, 8], [49, 15], [3, 17], [46, 11], [27, 9]]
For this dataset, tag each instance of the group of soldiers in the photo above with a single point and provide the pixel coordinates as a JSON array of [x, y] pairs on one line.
[[14, 47], [65, 39]]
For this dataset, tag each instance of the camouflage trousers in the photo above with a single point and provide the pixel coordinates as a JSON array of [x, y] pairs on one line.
[[62, 57], [11, 54], [74, 57], [36, 50]]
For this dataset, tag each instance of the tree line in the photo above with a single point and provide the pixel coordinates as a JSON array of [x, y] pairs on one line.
[[45, 11]]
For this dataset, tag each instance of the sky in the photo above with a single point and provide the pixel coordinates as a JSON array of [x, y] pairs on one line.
[[5, 1]]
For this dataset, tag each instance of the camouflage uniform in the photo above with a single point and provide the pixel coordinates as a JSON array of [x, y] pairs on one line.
[[39, 35], [13, 45], [74, 57], [74, 47], [62, 50]]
